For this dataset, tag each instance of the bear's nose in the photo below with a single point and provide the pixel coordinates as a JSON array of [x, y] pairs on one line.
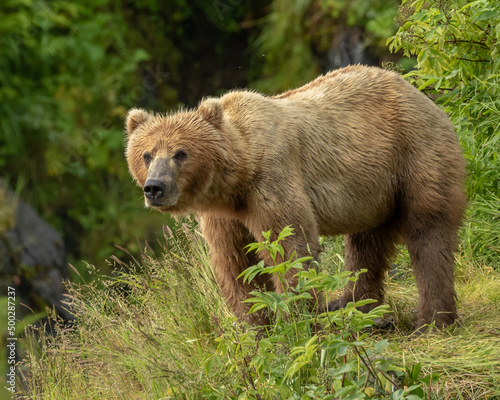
[[154, 189]]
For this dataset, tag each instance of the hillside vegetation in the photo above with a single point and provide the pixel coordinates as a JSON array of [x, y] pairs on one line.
[[164, 331]]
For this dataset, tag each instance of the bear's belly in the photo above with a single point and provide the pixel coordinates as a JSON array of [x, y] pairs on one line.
[[345, 211]]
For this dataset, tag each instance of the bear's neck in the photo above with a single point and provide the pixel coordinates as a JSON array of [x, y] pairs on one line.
[[236, 174]]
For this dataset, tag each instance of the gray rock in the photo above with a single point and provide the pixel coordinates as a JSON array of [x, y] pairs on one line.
[[32, 257]]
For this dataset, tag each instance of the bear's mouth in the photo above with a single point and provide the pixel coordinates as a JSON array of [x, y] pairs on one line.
[[163, 203]]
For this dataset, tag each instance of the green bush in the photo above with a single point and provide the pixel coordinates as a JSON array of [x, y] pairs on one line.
[[305, 353], [457, 46]]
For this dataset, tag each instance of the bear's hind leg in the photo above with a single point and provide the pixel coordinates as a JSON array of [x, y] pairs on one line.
[[371, 250], [431, 253]]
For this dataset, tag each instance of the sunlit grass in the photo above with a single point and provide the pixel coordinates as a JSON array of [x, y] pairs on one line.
[[147, 331], [466, 355]]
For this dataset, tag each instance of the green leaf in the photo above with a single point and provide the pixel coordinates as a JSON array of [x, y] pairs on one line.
[[414, 397], [341, 349], [257, 307], [347, 367], [364, 302], [287, 231], [250, 273], [381, 346]]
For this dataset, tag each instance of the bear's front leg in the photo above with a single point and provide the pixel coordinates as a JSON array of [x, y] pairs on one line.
[[303, 243], [227, 239]]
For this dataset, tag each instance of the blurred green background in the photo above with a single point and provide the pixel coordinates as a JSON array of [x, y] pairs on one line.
[[69, 71]]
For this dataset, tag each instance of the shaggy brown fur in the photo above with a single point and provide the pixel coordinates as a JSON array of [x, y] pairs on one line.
[[358, 151]]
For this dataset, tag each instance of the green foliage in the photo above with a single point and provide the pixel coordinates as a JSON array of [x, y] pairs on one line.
[[457, 46], [164, 332], [305, 353], [65, 82], [138, 335], [308, 32]]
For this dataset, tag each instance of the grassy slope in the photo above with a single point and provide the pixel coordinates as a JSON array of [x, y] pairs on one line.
[[146, 334]]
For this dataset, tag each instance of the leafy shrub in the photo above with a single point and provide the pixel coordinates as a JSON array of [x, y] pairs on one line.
[[164, 332], [305, 353], [456, 43]]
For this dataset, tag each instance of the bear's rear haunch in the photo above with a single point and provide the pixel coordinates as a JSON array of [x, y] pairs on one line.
[[358, 151]]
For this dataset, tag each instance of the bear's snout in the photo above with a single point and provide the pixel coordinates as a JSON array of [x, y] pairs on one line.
[[160, 193], [160, 188], [154, 189]]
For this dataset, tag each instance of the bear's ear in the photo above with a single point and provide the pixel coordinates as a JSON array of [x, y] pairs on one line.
[[135, 117], [211, 110]]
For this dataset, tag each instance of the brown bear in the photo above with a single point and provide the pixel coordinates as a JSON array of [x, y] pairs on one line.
[[358, 151]]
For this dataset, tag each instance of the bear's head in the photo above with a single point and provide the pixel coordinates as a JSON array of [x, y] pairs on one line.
[[177, 158]]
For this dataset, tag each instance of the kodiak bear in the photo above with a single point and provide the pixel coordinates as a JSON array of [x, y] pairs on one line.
[[358, 151]]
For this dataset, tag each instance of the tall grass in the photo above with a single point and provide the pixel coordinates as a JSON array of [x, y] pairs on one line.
[[155, 330], [138, 332]]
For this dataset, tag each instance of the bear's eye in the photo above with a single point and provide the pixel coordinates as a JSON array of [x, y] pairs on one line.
[[147, 159], [180, 155]]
